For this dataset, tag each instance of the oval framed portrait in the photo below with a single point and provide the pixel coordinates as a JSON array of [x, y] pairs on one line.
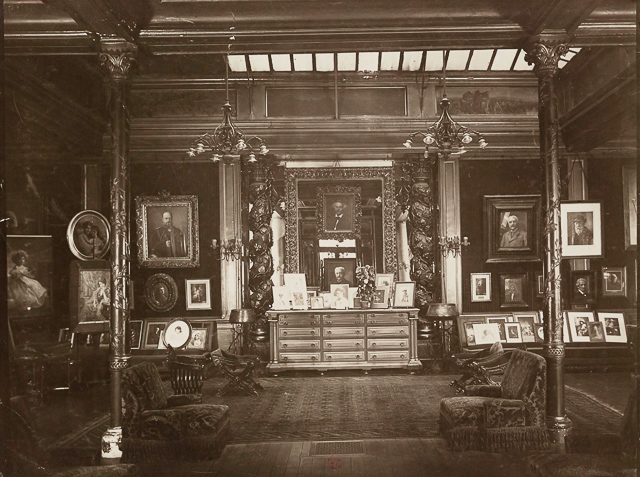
[[89, 235], [177, 334], [161, 292]]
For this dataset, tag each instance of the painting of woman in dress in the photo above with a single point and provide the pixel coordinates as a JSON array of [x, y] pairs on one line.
[[25, 292]]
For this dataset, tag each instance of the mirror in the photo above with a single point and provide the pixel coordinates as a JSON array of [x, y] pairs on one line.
[[315, 230]]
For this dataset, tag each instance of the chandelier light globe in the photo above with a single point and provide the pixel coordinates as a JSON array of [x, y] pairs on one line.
[[482, 143], [429, 139], [252, 158], [466, 138], [263, 149], [241, 145], [408, 143]]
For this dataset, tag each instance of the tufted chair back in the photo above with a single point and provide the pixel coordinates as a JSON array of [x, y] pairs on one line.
[[142, 390], [524, 379]]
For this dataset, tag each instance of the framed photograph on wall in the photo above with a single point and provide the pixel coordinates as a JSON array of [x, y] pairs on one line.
[[161, 292], [583, 287], [512, 228], [514, 290], [581, 227], [29, 275], [630, 205], [578, 323], [615, 330], [339, 271], [480, 287], [89, 294], [338, 212], [168, 231], [614, 281], [88, 235], [135, 328], [404, 294], [198, 294]]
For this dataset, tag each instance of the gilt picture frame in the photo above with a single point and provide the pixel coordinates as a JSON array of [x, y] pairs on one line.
[[338, 212], [89, 235]]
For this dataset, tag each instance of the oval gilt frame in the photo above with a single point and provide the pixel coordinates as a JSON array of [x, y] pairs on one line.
[[78, 247], [161, 292]]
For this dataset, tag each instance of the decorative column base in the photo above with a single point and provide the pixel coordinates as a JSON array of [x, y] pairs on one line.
[[111, 446], [558, 428]]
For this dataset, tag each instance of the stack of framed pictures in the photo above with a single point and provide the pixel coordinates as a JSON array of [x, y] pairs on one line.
[[584, 328], [149, 337]]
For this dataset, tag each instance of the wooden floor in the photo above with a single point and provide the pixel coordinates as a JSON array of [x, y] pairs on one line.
[[378, 458]]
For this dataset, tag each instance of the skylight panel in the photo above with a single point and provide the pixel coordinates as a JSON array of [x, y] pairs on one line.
[[390, 61], [568, 57], [281, 62], [434, 61], [324, 62], [259, 62], [521, 64], [412, 60], [458, 60], [303, 62], [368, 61], [480, 60], [504, 59], [237, 63], [346, 61]]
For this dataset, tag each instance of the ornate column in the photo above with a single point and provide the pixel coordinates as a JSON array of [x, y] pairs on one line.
[[544, 53], [117, 57]]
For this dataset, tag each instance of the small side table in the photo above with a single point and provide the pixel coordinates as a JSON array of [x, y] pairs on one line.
[[241, 320]]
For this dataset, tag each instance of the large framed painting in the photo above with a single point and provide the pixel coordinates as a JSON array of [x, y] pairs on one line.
[[512, 228], [339, 271], [581, 229], [167, 231], [630, 205], [338, 213], [29, 275], [88, 235], [89, 294]]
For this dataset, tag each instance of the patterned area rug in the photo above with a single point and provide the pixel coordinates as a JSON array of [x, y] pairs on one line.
[[589, 415]]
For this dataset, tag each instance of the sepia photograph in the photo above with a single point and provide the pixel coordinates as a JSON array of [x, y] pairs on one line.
[[581, 226], [88, 235], [339, 212]]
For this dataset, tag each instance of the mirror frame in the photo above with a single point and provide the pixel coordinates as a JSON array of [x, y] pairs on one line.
[[292, 232]]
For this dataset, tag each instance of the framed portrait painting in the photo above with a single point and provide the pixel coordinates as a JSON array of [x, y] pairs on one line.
[[88, 235], [614, 281], [583, 287], [198, 293], [480, 287], [514, 290], [29, 275], [512, 228], [339, 271], [581, 229], [338, 212], [161, 292], [167, 231], [89, 294]]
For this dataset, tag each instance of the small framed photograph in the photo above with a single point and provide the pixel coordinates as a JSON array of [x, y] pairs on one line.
[[630, 205], [596, 332], [578, 323], [281, 298], [339, 271], [465, 329], [198, 294], [615, 330], [153, 335], [338, 213], [527, 331], [339, 296], [136, 333], [614, 281], [380, 297], [581, 226], [384, 280], [539, 285], [512, 228], [88, 235], [403, 294], [168, 231], [480, 287], [326, 299], [539, 327], [500, 322], [89, 293], [514, 290], [297, 285], [487, 333], [317, 302], [513, 333], [177, 333], [583, 287], [199, 338]]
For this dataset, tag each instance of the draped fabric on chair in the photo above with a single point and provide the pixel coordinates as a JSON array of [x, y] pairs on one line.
[[157, 427], [508, 417]]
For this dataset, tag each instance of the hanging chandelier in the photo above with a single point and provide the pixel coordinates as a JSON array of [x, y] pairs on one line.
[[446, 134], [227, 139]]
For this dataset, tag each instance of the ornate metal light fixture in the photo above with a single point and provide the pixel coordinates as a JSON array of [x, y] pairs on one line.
[[230, 249], [227, 139], [445, 133], [452, 245]]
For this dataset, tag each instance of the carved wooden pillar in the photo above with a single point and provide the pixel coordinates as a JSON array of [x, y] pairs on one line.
[[261, 197], [117, 58], [544, 53]]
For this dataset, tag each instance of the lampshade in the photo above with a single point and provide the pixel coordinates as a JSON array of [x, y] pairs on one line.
[[242, 315], [442, 310]]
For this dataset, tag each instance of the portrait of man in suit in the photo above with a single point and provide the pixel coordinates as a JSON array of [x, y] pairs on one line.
[[514, 231], [339, 213]]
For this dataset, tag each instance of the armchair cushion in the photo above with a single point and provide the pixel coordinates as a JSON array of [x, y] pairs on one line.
[[503, 413], [183, 422]]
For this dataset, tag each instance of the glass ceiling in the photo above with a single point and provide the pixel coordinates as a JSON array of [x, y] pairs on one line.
[[373, 61]]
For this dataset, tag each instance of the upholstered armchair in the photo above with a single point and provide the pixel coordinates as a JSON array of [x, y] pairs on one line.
[[156, 426], [507, 417]]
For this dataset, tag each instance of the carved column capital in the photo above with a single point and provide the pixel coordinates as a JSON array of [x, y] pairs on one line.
[[544, 52], [117, 57]]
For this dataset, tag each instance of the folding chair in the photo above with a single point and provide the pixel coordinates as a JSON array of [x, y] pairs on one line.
[[237, 369]]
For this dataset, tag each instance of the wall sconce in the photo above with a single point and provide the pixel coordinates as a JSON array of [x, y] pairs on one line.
[[452, 245], [230, 249]]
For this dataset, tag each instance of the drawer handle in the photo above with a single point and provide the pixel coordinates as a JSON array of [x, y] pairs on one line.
[[328, 345], [358, 345], [313, 358], [284, 333], [373, 322], [313, 323], [402, 356], [313, 332], [358, 322], [373, 332], [285, 345], [285, 358], [285, 322], [402, 331], [373, 345], [358, 356], [358, 332], [328, 332], [374, 356], [328, 356], [328, 322], [313, 345]]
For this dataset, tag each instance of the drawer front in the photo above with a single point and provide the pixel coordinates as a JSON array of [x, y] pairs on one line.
[[299, 320], [298, 332], [374, 331], [388, 318], [299, 357], [299, 344], [333, 356], [351, 331], [388, 355], [343, 319], [342, 344], [386, 343]]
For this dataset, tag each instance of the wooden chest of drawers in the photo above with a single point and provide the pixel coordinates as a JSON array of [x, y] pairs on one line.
[[343, 339]]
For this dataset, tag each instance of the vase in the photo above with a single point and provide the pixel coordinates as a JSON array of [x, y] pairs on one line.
[[365, 304]]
